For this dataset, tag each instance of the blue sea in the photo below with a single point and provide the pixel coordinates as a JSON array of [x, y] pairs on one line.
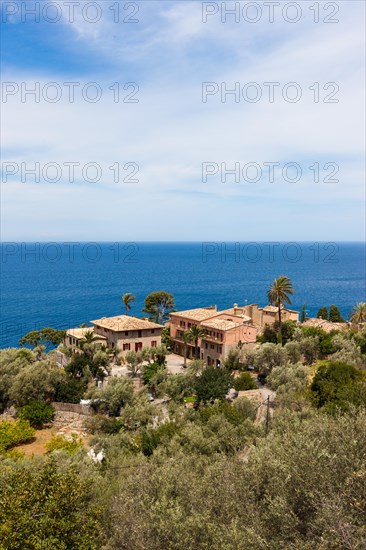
[[63, 285]]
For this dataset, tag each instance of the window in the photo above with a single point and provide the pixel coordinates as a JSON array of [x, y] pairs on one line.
[[139, 333], [189, 325], [153, 343], [152, 331], [126, 332], [126, 347], [138, 346], [212, 346]]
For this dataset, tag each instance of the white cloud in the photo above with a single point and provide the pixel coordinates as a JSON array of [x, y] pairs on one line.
[[170, 132]]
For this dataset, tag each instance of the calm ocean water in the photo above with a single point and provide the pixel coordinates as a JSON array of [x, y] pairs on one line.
[[66, 284]]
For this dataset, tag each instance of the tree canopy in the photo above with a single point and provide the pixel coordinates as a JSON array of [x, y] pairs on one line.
[[158, 305]]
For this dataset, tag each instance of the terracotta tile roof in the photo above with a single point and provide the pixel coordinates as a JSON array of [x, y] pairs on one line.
[[80, 332], [125, 322], [199, 314], [231, 311], [220, 324], [271, 309], [328, 326]]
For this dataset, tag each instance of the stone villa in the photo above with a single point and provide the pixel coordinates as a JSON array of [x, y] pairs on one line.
[[224, 330], [124, 332]]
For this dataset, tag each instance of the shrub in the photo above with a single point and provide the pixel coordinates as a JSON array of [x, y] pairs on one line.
[[234, 414], [269, 335], [35, 382], [47, 505], [70, 390], [37, 413], [245, 408], [190, 399], [337, 385], [151, 438], [111, 425], [213, 384], [13, 433], [113, 396], [244, 382], [60, 443], [232, 361]]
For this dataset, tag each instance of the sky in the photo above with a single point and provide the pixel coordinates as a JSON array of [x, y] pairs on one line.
[[132, 133]]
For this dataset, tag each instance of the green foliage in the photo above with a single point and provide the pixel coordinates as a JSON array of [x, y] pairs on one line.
[[134, 361], [213, 384], [70, 390], [127, 299], [274, 335], [269, 335], [335, 315], [14, 433], [290, 383], [358, 313], [303, 314], [359, 337], [37, 413], [166, 338], [113, 396], [293, 352], [232, 362], [302, 487], [245, 408], [35, 382], [195, 333], [287, 330], [269, 356], [60, 443], [244, 382], [279, 294], [180, 385], [234, 414], [43, 505], [46, 336], [190, 399], [139, 413], [92, 362], [158, 305], [157, 354], [323, 313], [326, 345], [151, 438], [337, 385], [12, 361], [149, 371], [347, 350]]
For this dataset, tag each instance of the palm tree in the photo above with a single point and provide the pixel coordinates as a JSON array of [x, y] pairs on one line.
[[87, 343], [358, 313], [127, 298], [187, 338], [88, 337], [279, 294], [196, 333]]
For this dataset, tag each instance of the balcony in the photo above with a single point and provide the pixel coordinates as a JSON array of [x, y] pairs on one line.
[[213, 339]]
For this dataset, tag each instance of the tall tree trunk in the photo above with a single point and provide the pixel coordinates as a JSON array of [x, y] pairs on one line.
[[279, 323], [185, 356]]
